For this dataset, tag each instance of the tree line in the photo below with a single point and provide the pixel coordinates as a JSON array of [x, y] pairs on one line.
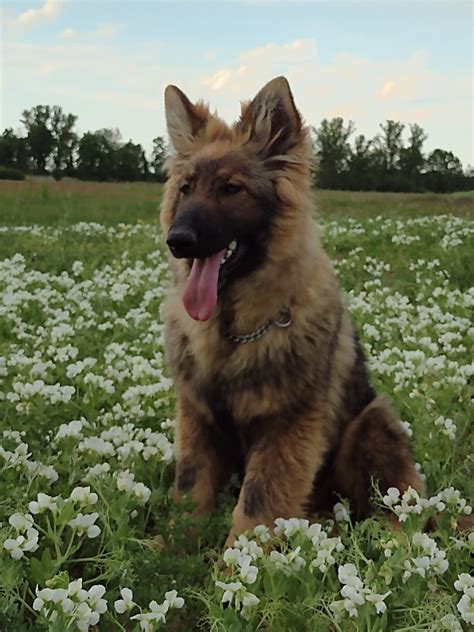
[[387, 162], [51, 146]]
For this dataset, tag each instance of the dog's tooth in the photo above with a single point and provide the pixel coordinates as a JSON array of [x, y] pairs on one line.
[[223, 260], [233, 245]]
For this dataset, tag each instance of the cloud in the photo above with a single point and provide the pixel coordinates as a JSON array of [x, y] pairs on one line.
[[365, 90], [387, 88], [47, 12], [218, 80], [107, 30], [109, 82], [104, 31], [105, 83], [297, 51], [67, 34]]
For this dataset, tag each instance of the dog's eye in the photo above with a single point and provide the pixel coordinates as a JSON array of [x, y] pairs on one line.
[[231, 188], [184, 188]]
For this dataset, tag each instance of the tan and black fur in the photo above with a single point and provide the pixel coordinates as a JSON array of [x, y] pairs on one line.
[[294, 411]]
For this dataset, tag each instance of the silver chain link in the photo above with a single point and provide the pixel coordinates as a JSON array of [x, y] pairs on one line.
[[282, 320]]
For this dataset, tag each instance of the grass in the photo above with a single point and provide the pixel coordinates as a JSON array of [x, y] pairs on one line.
[[83, 385], [45, 201]]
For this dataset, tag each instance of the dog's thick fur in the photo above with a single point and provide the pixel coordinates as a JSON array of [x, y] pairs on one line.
[[293, 410]]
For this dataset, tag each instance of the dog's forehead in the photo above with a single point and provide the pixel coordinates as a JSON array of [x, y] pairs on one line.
[[222, 164]]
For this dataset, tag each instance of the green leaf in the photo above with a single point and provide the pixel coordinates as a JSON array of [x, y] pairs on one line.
[[48, 564], [37, 571], [67, 513]]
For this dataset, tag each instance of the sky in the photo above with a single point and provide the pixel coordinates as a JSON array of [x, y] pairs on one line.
[[109, 61]]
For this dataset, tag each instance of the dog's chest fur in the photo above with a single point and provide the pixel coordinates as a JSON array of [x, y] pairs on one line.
[[275, 379]]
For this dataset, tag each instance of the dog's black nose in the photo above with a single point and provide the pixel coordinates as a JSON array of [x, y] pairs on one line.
[[182, 241]]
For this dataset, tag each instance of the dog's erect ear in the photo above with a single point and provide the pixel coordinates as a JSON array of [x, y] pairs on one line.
[[272, 118], [184, 120]]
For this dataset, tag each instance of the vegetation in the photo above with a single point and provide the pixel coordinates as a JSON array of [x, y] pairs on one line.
[[385, 163], [42, 200], [52, 146], [9, 173], [88, 533]]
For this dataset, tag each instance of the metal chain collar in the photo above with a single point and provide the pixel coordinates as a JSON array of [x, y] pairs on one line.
[[282, 319]]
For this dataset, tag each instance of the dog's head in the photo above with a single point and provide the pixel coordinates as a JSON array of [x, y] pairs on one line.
[[230, 188]]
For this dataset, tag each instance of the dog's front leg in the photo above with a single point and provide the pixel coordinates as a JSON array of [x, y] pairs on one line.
[[199, 467], [279, 475]]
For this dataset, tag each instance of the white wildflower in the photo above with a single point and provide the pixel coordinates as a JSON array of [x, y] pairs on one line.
[[85, 524]]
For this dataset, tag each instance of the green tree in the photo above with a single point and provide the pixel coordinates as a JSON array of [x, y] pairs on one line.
[[96, 155], [39, 136], [333, 152], [468, 184], [144, 167], [360, 176], [128, 162], [158, 158], [387, 149], [13, 151], [444, 172], [65, 140], [412, 160], [390, 144]]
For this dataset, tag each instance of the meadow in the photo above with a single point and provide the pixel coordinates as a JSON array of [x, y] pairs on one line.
[[89, 537]]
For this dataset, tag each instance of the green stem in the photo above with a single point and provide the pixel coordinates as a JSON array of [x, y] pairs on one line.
[[68, 549], [75, 560], [118, 624], [22, 600], [368, 626]]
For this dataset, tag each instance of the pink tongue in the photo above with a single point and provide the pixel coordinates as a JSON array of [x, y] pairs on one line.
[[200, 293]]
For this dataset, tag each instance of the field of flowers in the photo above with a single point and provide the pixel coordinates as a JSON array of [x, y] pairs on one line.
[[89, 537]]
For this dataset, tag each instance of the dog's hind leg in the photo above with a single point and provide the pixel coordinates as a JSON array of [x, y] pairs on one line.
[[279, 474], [200, 467], [374, 447]]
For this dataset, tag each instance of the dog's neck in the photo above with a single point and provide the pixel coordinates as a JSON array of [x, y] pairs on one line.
[[281, 283]]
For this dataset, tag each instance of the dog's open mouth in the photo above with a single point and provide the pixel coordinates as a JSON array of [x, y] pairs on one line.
[[205, 279]]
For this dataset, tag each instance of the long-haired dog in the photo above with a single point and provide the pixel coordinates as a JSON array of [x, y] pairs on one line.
[[270, 376]]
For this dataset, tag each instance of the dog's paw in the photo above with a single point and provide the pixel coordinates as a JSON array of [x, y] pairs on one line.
[[231, 538]]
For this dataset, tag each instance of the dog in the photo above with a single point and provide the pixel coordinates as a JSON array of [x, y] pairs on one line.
[[270, 376]]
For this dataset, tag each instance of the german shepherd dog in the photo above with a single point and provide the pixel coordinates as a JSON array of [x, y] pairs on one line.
[[270, 376]]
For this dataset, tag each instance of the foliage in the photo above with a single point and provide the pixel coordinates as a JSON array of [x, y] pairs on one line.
[[13, 151], [383, 163], [65, 141], [53, 146], [43, 201], [88, 529], [9, 173], [333, 151], [158, 159], [40, 139], [96, 154], [444, 171]]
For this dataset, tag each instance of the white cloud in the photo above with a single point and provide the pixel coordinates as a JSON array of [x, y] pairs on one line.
[[387, 88], [218, 80], [367, 91], [103, 83], [48, 11], [297, 51], [107, 30], [104, 31], [67, 34], [109, 84]]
